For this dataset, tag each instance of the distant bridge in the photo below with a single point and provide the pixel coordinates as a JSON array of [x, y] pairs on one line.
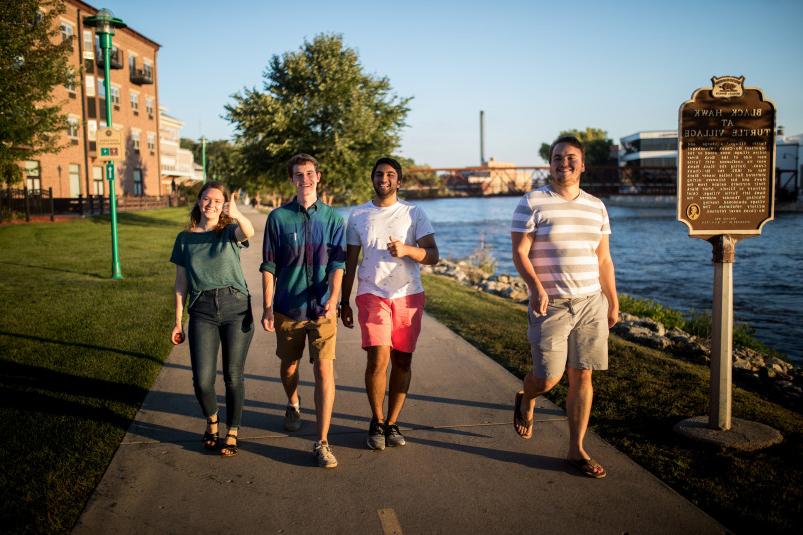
[[503, 179]]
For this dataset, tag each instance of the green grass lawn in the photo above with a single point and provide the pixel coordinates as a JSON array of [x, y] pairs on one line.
[[638, 400], [78, 353]]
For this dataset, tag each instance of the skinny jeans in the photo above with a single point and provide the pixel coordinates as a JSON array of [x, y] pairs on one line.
[[220, 317]]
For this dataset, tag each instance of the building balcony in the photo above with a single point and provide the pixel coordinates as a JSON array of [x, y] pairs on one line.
[[141, 76], [115, 58]]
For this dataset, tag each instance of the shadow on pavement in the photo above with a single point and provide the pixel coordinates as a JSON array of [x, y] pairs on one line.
[[531, 460]]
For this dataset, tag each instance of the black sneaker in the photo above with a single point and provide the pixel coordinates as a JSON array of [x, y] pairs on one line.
[[393, 436], [292, 419], [376, 436]]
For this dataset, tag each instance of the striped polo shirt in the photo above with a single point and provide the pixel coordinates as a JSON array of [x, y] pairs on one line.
[[301, 247], [567, 234]]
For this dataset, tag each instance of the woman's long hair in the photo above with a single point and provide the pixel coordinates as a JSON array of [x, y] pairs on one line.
[[195, 215]]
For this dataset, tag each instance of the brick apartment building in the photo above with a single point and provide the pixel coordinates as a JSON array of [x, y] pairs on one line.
[[76, 170]]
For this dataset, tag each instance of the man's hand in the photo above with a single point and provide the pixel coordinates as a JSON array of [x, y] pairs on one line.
[[539, 300], [396, 248], [613, 315], [346, 315], [267, 319], [329, 310]]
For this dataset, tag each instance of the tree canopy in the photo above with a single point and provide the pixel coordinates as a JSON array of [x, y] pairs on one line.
[[33, 61], [319, 100], [223, 163], [597, 146]]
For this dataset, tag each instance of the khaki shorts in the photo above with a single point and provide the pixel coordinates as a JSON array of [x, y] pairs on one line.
[[573, 332], [291, 336]]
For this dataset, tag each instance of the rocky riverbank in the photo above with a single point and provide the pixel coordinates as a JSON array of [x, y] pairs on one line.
[[778, 377]]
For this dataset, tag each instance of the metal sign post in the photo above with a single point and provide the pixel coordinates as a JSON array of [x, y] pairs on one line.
[[721, 398]]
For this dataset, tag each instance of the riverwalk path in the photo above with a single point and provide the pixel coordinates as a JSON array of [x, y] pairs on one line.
[[464, 468]]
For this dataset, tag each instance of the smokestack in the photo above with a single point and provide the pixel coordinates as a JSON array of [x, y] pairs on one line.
[[482, 137]]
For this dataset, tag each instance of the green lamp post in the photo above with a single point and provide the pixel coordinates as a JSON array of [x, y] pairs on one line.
[[105, 23], [203, 155]]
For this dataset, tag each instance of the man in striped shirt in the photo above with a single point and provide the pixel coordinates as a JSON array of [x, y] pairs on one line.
[[304, 255], [561, 250]]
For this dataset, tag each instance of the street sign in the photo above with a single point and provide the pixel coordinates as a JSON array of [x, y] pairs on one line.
[[110, 170], [110, 144], [726, 160]]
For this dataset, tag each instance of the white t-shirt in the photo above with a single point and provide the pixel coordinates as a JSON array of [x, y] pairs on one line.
[[370, 227], [566, 237]]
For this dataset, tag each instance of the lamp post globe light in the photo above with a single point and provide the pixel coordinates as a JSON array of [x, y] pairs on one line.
[[105, 23]]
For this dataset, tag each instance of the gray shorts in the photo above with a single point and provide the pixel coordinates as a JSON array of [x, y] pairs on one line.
[[573, 331]]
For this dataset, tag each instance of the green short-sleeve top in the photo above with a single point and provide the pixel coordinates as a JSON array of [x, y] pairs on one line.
[[212, 260]]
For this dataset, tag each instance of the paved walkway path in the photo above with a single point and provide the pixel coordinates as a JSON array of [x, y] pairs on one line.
[[463, 470]]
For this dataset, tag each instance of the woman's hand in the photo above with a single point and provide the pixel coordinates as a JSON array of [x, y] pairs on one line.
[[177, 336], [231, 210]]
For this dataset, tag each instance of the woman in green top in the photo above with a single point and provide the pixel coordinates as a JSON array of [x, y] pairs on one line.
[[207, 258]]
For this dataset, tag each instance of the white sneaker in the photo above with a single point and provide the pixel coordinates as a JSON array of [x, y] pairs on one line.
[[323, 454]]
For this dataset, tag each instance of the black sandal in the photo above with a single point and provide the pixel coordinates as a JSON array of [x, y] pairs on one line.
[[211, 441], [229, 450]]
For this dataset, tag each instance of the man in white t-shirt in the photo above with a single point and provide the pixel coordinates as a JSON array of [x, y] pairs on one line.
[[561, 250], [395, 237]]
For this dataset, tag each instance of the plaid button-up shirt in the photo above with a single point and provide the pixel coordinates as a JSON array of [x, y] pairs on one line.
[[301, 247]]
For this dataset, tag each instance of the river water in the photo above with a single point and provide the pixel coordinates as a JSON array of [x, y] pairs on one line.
[[656, 259]]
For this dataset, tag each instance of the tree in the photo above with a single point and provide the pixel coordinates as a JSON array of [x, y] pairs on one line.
[[318, 100], [223, 163], [33, 61], [597, 146]]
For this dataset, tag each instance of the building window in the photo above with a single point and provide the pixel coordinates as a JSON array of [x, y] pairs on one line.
[[90, 85], [66, 31], [149, 106], [74, 171], [71, 86], [92, 130], [89, 41], [135, 139], [32, 176], [101, 88], [72, 129], [132, 62], [116, 97], [151, 142], [138, 189], [97, 180], [135, 102], [147, 68]]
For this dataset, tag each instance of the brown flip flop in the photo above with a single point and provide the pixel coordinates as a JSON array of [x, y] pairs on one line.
[[588, 467], [518, 420]]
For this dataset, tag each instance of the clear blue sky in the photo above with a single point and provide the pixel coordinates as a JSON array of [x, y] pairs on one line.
[[535, 67]]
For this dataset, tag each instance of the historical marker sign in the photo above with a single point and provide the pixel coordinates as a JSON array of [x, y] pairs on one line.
[[726, 160], [110, 144]]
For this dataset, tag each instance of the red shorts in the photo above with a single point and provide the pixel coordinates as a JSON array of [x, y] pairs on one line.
[[390, 322]]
